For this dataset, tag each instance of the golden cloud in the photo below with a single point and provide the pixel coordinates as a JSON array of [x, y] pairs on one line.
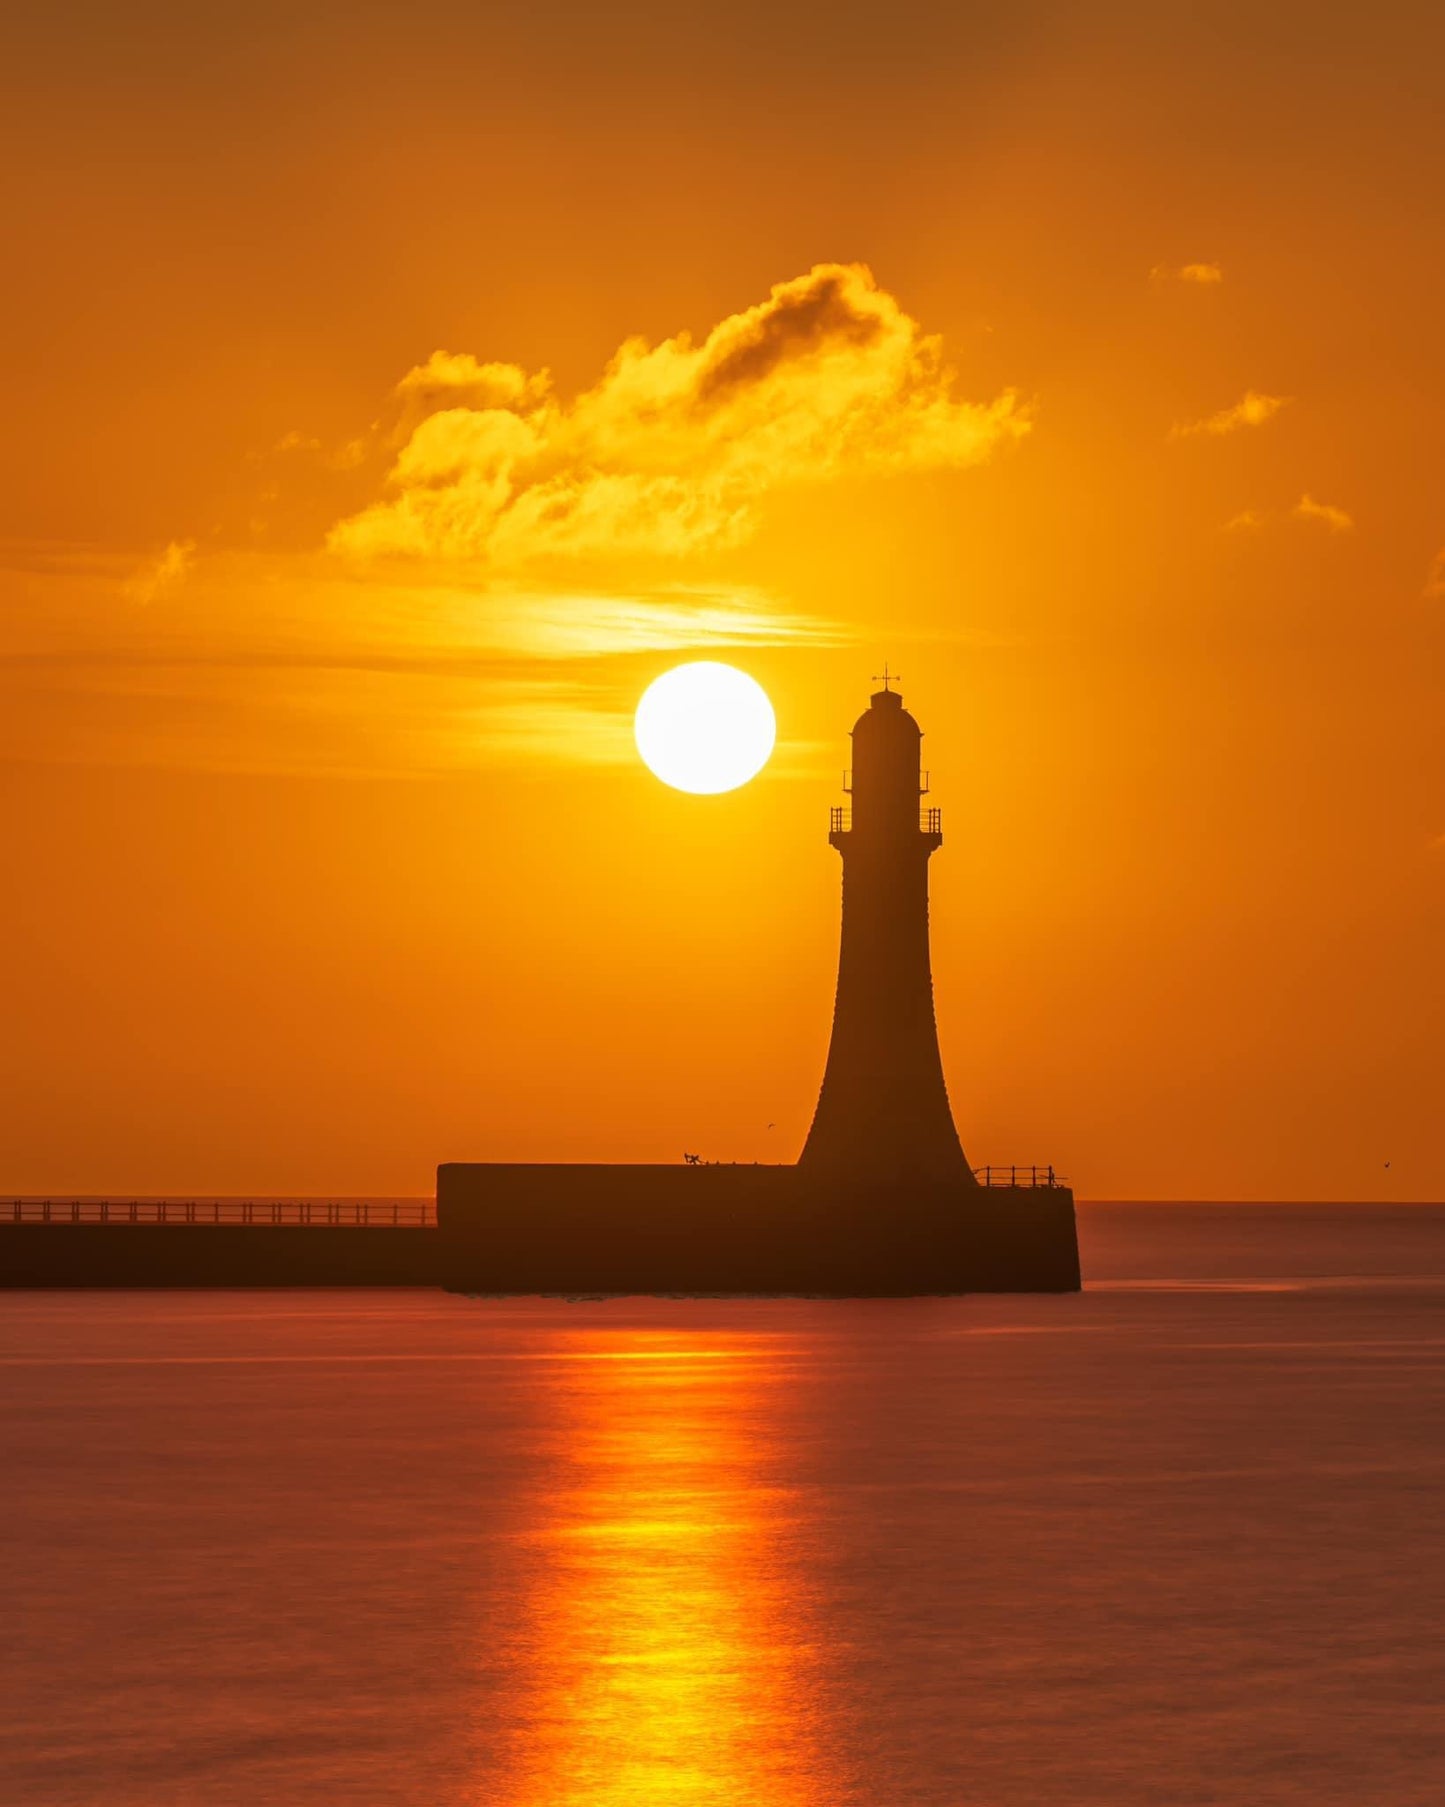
[[1252, 410], [1307, 509], [344, 457], [672, 450], [1197, 273], [161, 574], [1435, 579]]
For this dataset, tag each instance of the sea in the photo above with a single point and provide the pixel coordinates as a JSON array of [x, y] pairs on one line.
[[1178, 1539]]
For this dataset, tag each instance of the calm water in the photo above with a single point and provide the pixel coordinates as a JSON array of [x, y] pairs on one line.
[[1178, 1540]]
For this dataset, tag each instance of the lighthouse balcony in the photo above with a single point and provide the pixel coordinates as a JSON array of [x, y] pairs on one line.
[[840, 821], [1011, 1178]]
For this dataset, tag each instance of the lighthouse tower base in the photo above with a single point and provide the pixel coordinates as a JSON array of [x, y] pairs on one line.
[[745, 1229]]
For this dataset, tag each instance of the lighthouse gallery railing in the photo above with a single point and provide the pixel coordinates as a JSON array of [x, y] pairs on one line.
[[1010, 1178], [840, 820]]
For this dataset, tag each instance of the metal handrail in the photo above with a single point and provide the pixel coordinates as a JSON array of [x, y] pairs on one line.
[[372, 1213], [840, 820], [1011, 1178]]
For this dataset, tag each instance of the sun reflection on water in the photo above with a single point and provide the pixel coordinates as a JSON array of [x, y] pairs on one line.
[[668, 1647]]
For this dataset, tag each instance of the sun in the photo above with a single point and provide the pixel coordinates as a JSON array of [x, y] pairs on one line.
[[705, 727]]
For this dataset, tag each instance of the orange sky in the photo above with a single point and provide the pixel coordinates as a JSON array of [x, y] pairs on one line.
[[391, 396]]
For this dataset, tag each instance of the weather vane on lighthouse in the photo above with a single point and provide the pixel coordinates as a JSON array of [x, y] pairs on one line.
[[888, 677]]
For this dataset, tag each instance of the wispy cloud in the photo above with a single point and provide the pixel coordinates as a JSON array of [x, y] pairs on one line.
[[589, 626], [162, 574], [674, 448], [289, 604], [343, 716], [344, 457], [66, 558], [277, 662], [1205, 274], [1253, 409], [1335, 519], [1435, 577]]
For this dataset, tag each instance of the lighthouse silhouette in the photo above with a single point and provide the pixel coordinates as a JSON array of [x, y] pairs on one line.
[[883, 1108], [881, 1201]]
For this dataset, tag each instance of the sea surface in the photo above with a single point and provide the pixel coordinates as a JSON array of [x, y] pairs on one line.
[[1177, 1540]]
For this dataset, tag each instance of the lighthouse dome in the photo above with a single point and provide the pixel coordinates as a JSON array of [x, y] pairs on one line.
[[885, 719]]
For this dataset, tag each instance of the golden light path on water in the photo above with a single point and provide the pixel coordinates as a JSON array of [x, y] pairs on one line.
[[671, 1662], [408, 1549]]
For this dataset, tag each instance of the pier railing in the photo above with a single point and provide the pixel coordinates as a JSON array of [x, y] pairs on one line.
[[373, 1213], [1018, 1176]]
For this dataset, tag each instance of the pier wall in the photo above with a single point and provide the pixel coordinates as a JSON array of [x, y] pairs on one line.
[[604, 1229], [721, 1229], [231, 1254]]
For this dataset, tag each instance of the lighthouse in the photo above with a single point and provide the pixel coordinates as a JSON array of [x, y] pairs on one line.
[[881, 1201], [883, 1111]]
